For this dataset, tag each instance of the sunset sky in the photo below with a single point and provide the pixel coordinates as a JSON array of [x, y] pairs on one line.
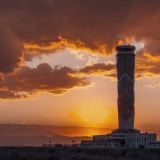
[[57, 61]]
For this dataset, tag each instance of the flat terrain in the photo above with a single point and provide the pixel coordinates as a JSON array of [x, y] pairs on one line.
[[62, 153]]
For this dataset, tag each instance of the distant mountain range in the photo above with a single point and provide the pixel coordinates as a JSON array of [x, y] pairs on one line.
[[37, 135]]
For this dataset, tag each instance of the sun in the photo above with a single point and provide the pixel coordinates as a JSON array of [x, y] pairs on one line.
[[92, 116]]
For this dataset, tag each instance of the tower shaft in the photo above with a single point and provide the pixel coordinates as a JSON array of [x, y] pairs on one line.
[[126, 78]]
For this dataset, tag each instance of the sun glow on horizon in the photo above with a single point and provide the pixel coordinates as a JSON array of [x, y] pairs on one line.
[[93, 116]]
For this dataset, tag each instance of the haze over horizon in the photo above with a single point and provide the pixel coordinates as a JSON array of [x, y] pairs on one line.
[[57, 61]]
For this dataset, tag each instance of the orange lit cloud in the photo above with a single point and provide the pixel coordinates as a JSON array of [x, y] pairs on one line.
[[152, 58], [29, 81], [147, 65], [32, 49], [107, 70], [61, 79], [30, 28]]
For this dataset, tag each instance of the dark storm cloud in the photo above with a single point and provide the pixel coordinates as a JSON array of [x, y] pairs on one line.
[[93, 22], [10, 50], [29, 81], [41, 79]]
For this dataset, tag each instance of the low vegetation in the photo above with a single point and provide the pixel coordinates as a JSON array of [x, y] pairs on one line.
[[66, 153]]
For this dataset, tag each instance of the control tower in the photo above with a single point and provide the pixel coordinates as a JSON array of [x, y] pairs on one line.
[[125, 86], [126, 136]]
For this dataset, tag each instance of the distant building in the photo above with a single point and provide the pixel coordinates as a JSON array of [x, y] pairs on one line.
[[126, 136], [124, 139]]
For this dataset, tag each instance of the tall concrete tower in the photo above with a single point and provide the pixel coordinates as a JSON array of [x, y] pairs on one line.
[[125, 136], [125, 74]]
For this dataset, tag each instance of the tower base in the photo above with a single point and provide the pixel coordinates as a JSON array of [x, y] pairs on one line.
[[122, 139]]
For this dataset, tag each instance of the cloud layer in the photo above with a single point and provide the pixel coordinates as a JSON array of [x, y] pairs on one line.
[[27, 81], [28, 28], [96, 24]]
